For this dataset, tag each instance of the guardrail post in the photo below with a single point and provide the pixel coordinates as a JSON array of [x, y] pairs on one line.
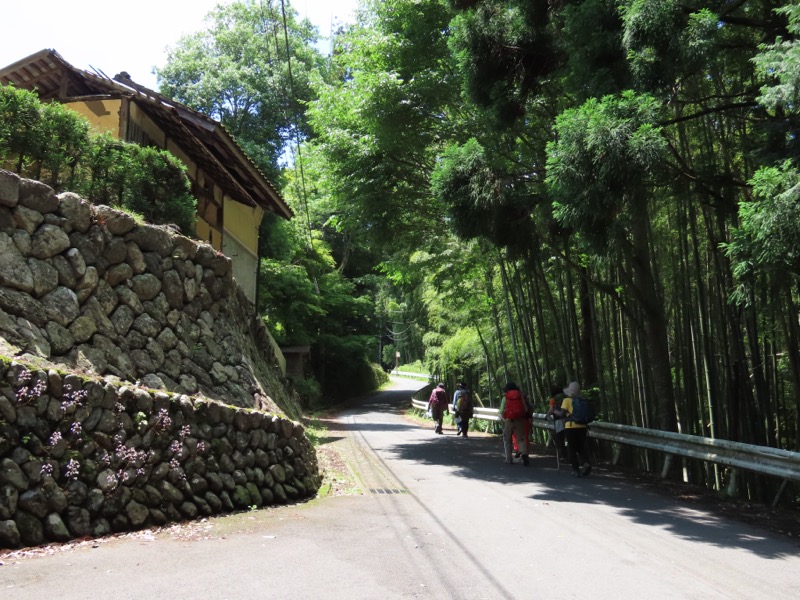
[[667, 465], [780, 492], [733, 482], [617, 454]]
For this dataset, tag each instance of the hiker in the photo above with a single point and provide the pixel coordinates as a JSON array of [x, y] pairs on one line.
[[437, 405], [456, 396], [575, 433], [513, 411], [528, 415], [554, 411], [465, 410]]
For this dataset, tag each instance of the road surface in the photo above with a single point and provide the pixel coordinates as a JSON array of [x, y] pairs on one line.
[[440, 517]]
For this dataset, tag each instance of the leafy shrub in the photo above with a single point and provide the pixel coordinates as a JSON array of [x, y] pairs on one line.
[[41, 141], [53, 144], [309, 391], [414, 367], [380, 375], [157, 187]]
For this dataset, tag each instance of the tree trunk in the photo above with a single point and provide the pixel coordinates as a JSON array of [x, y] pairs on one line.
[[496, 320], [655, 321], [588, 359]]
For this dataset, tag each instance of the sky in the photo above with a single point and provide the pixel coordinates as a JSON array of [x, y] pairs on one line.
[[133, 37]]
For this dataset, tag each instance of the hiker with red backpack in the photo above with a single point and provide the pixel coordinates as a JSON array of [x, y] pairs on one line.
[[514, 414], [528, 426]]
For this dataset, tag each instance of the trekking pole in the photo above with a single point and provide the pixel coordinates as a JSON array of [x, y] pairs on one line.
[[555, 444], [552, 433]]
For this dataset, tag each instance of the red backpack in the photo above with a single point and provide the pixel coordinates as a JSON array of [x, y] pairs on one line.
[[515, 406]]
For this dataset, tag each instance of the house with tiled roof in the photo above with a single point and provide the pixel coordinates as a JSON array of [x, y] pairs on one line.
[[232, 194]]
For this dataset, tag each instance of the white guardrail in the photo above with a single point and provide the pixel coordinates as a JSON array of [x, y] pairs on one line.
[[784, 464], [411, 374]]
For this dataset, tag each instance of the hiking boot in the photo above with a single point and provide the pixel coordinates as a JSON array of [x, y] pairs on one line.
[[586, 470], [576, 473], [526, 460], [517, 454]]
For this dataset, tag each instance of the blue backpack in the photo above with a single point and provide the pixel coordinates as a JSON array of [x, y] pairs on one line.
[[582, 411]]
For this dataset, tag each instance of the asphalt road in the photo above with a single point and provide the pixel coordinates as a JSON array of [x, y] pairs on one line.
[[440, 517]]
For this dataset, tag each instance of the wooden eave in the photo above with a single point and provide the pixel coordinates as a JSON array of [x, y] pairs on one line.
[[48, 74]]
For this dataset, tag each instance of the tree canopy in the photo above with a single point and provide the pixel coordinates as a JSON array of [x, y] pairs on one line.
[[250, 70]]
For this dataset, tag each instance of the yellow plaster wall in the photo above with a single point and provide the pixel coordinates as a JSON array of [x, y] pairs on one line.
[[240, 243], [102, 114], [244, 265], [208, 234], [243, 222], [150, 128], [191, 166]]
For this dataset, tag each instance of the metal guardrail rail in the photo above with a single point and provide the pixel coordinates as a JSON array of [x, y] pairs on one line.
[[480, 412], [784, 464]]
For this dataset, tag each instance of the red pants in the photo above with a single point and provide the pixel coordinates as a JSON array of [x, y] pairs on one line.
[[514, 440]]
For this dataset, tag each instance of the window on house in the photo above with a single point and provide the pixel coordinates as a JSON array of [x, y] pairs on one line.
[[137, 135]]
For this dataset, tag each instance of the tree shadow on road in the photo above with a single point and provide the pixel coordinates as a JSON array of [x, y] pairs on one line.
[[481, 457]]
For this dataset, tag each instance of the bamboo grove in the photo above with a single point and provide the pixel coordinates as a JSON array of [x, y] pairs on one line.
[[601, 191]]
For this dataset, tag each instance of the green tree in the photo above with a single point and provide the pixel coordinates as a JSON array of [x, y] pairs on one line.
[[250, 70], [602, 170], [380, 122]]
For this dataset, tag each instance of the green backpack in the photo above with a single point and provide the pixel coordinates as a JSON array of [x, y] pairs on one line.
[[465, 407]]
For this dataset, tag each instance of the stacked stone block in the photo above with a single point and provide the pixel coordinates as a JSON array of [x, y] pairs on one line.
[[86, 286], [84, 457]]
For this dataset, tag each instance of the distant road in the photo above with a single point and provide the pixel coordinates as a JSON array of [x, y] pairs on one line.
[[441, 517]]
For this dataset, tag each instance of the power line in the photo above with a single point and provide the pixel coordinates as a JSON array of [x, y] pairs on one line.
[[269, 24], [304, 196]]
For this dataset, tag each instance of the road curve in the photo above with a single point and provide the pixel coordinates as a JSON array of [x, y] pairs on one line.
[[440, 517]]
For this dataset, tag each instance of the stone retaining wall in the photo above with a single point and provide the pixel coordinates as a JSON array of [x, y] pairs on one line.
[[87, 287], [132, 349], [83, 457]]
